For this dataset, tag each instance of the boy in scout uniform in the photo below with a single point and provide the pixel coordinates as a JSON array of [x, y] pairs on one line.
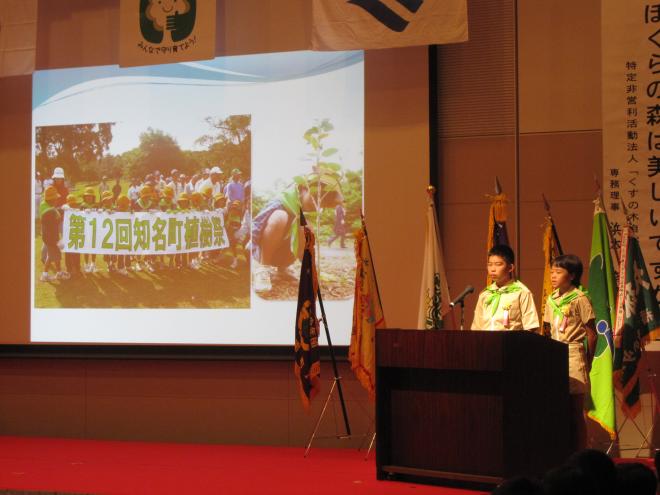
[[506, 304], [569, 318]]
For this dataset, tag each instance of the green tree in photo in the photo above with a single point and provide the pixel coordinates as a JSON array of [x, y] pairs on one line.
[[326, 175], [230, 143], [71, 147], [157, 151]]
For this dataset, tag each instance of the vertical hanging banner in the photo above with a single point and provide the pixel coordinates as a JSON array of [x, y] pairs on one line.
[[366, 24], [166, 31], [18, 37], [631, 122]]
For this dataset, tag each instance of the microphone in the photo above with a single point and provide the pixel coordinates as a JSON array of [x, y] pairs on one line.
[[459, 300]]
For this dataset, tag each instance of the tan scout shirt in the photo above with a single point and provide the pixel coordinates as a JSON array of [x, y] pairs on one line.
[[515, 311], [578, 313]]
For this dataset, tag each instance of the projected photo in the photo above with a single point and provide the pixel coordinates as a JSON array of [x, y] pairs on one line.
[[330, 196], [114, 230], [167, 198]]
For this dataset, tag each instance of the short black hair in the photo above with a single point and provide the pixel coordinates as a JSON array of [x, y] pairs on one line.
[[572, 265], [635, 477], [504, 252], [598, 467]]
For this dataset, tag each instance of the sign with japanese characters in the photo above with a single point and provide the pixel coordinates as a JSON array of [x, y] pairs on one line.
[[100, 232], [631, 122], [166, 31]]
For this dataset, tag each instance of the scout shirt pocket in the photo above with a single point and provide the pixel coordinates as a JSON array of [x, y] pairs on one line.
[[511, 315]]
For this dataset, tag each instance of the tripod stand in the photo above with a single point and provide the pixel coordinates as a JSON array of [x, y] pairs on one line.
[[336, 384], [655, 408]]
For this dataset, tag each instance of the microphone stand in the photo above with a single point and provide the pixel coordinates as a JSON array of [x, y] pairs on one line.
[[462, 303]]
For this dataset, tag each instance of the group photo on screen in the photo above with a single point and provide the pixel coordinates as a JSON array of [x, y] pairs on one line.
[[76, 178]]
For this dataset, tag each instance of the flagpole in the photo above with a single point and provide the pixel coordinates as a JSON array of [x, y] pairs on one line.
[[334, 364], [599, 194], [373, 265], [336, 379], [552, 223]]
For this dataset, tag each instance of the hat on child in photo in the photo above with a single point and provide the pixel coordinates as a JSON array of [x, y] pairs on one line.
[[72, 200], [51, 194]]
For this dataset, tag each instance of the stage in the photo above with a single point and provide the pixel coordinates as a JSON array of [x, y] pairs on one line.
[[108, 467]]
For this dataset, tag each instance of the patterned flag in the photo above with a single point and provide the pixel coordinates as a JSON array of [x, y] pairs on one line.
[[497, 234], [550, 251], [602, 286], [637, 321], [367, 316], [434, 296], [308, 364], [366, 24]]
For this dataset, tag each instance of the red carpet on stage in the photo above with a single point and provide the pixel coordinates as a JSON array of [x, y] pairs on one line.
[[109, 467]]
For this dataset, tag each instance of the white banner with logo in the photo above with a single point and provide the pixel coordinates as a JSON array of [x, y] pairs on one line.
[[166, 31], [100, 232], [365, 24], [18, 37], [631, 122]]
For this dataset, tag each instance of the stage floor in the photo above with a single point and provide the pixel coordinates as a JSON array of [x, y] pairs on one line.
[[109, 467]]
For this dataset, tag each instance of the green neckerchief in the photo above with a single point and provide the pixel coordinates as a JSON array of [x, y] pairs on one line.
[[558, 306], [44, 207], [144, 205], [496, 293], [291, 201]]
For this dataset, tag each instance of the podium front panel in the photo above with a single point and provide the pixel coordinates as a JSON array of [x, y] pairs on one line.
[[471, 406]]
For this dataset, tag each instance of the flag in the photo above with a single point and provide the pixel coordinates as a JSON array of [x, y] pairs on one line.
[[602, 287], [367, 316], [551, 250], [18, 37], [155, 32], [497, 234], [307, 366], [367, 24], [434, 295], [637, 321]]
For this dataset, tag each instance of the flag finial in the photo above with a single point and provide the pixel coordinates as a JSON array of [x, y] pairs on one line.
[[498, 186]]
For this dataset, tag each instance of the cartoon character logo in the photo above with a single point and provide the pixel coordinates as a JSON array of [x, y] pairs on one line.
[[167, 21]]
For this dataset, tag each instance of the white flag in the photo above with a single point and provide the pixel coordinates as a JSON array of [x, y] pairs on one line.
[[18, 37], [434, 295], [365, 24]]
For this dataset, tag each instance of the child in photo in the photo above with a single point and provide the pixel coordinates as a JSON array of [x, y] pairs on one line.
[[89, 203], [51, 219]]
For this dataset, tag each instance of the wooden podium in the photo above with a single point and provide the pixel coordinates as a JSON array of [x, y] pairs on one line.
[[470, 406]]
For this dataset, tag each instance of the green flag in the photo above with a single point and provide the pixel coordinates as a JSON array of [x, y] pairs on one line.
[[637, 321], [602, 286]]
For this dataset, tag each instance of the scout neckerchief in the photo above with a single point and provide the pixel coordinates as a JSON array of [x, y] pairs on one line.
[[493, 299], [560, 309], [44, 208]]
